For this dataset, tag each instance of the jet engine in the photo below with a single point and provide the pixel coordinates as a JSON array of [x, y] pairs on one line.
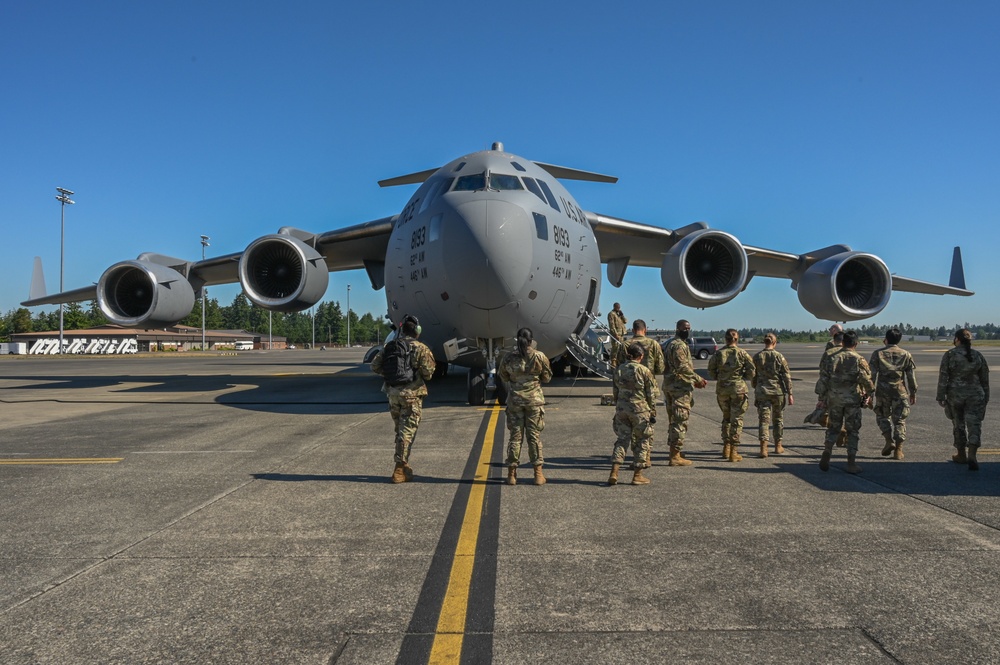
[[280, 272], [142, 294], [705, 268], [846, 287]]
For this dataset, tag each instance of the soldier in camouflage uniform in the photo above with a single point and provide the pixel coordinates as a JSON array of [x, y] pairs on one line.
[[679, 382], [772, 387], [652, 354], [523, 371], [731, 367], [844, 390], [821, 416], [964, 391], [616, 324], [635, 414], [895, 391], [406, 401]]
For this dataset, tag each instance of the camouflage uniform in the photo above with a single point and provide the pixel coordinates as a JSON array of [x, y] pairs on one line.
[[678, 390], [772, 385], [406, 402], [525, 403], [635, 404], [892, 373], [964, 387], [616, 324], [842, 386], [729, 367], [652, 356]]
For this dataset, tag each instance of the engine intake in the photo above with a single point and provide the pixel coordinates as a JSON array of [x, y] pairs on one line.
[[704, 269], [143, 294], [280, 272], [846, 287]]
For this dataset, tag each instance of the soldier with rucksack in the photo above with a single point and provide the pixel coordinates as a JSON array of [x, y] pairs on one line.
[[405, 364]]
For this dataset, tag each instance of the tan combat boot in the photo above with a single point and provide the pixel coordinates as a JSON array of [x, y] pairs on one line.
[[676, 459], [539, 478], [763, 449], [973, 462], [398, 474], [407, 471], [778, 448], [639, 479], [852, 466], [613, 478], [897, 452], [726, 447], [734, 456], [512, 475], [959, 457], [824, 460], [889, 446]]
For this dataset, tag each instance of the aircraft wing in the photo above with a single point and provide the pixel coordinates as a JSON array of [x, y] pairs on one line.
[[703, 267]]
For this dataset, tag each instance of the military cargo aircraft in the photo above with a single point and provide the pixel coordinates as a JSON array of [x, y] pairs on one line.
[[488, 243]]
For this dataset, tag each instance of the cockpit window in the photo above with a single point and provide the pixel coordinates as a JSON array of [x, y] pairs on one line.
[[534, 188], [504, 182], [518, 167], [459, 167], [471, 183], [548, 194]]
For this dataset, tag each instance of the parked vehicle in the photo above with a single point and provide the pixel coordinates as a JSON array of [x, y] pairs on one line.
[[13, 348], [701, 347]]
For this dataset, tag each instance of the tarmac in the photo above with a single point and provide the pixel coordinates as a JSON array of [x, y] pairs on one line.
[[194, 508]]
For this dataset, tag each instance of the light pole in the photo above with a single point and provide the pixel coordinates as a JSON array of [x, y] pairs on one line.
[[204, 293], [348, 316], [63, 198]]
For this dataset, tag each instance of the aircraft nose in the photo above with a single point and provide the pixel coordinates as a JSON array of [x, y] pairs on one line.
[[489, 251]]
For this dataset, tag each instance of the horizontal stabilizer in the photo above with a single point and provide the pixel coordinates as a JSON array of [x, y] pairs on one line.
[[565, 173]]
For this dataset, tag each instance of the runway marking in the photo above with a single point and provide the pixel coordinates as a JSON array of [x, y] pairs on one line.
[[450, 633], [62, 460]]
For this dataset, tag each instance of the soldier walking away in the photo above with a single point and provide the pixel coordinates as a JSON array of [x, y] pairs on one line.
[[730, 368], [772, 389], [895, 391], [616, 324], [523, 371], [964, 391], [679, 382], [406, 365], [635, 414], [821, 415], [844, 391]]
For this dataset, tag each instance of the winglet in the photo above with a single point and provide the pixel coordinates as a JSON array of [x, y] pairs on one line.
[[37, 288], [957, 271]]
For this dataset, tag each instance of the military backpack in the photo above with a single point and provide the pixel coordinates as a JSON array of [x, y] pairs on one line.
[[397, 368]]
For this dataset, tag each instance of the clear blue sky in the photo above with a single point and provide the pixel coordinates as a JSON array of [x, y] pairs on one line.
[[793, 125]]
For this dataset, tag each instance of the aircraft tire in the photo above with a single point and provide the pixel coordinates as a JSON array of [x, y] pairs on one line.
[[477, 387], [440, 370], [501, 392]]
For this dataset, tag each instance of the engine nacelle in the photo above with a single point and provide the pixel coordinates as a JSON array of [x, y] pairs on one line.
[[140, 294], [704, 269], [846, 287], [280, 272]]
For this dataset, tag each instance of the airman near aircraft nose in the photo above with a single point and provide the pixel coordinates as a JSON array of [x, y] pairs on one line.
[[844, 390], [406, 365], [731, 367], [635, 413], [652, 354], [895, 391], [964, 391], [523, 371], [679, 383], [616, 324], [772, 387]]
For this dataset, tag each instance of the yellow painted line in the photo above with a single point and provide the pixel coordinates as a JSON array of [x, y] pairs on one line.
[[450, 632], [63, 460]]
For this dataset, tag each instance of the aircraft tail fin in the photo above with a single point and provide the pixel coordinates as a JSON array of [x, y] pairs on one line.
[[957, 279], [37, 288]]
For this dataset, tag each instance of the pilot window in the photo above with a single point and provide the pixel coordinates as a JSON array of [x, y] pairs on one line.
[[430, 195], [471, 183], [505, 182], [519, 167], [548, 195], [541, 226], [459, 167], [534, 188]]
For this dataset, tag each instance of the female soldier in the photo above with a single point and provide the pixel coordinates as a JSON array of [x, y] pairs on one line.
[[964, 391], [523, 371], [635, 414]]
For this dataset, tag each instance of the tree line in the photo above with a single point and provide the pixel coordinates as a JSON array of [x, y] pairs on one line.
[[329, 327]]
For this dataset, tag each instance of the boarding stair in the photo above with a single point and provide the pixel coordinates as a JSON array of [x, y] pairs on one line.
[[589, 350]]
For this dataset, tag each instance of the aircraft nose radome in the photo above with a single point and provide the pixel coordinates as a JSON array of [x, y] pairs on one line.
[[489, 252]]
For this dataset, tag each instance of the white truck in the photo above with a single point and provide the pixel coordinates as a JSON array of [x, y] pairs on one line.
[[13, 348]]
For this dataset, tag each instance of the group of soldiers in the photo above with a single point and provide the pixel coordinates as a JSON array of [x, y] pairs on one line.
[[847, 384]]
